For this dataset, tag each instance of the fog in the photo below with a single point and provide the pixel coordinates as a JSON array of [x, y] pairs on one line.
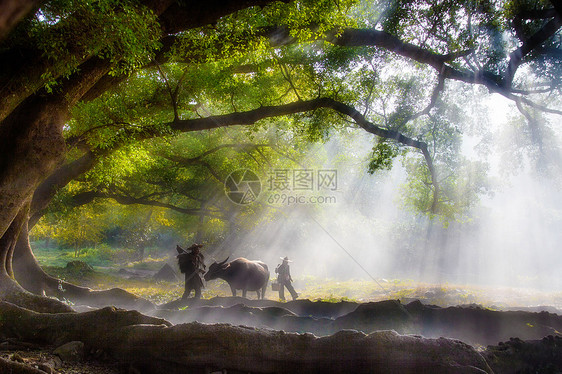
[[510, 238]]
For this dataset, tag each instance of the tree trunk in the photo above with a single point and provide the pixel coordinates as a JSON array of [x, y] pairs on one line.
[[33, 278], [32, 146], [10, 290], [28, 271], [201, 216]]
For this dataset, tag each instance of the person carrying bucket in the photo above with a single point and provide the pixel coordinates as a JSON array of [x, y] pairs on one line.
[[284, 279]]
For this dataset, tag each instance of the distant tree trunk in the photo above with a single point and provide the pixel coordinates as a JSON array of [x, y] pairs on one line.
[[143, 236], [200, 233]]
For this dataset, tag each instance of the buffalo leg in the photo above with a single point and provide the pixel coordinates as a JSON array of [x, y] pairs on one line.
[[243, 292], [233, 291]]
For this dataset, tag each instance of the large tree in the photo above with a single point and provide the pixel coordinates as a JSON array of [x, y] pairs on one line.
[[312, 47], [63, 55]]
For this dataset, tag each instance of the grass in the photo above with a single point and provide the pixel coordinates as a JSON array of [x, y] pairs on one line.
[[101, 256]]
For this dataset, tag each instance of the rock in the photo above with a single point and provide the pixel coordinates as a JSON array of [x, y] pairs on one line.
[[135, 274], [55, 362], [123, 271], [71, 352], [79, 267], [319, 308], [7, 366], [166, 273], [386, 351], [531, 356], [477, 325]]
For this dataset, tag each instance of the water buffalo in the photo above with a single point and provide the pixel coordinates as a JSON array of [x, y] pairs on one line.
[[241, 274]]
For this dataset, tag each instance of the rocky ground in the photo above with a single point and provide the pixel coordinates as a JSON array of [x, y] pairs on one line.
[[44, 360]]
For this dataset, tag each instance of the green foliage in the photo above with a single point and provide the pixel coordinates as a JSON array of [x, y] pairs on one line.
[[173, 188], [120, 165], [67, 31], [248, 30], [441, 25], [460, 190], [236, 65], [81, 227], [382, 156], [123, 115]]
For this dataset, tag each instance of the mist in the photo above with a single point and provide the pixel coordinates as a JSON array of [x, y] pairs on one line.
[[510, 238]]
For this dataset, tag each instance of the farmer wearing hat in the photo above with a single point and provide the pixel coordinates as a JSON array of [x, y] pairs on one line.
[[284, 279], [191, 262]]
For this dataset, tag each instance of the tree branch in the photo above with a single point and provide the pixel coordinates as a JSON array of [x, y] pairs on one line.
[[173, 96], [516, 57], [495, 83], [376, 38], [434, 96], [252, 116], [88, 196], [223, 146], [538, 13], [68, 172], [61, 177], [180, 17]]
